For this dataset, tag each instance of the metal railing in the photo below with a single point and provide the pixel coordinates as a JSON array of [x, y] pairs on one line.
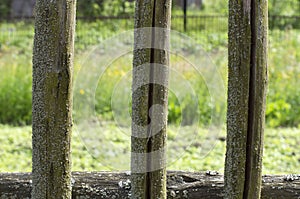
[[207, 28]]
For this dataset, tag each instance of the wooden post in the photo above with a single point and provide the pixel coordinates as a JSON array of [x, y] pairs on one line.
[[149, 99], [185, 15], [247, 84], [52, 99]]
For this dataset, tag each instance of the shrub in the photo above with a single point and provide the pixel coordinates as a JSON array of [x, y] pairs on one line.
[[5, 8]]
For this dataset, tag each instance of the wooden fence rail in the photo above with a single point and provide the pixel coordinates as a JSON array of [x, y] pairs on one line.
[[180, 185]]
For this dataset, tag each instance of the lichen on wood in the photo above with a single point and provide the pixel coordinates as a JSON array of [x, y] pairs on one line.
[[247, 85], [52, 98], [149, 99]]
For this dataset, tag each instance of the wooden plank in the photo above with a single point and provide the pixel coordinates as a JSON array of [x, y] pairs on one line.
[[180, 184]]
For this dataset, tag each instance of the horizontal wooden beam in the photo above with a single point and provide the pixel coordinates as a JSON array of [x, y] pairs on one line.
[[180, 184]]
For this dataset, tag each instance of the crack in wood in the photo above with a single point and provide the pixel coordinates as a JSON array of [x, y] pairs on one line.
[[150, 104], [251, 103]]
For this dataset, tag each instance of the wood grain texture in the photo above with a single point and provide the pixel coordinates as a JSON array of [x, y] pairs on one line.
[[52, 98], [247, 86], [180, 185], [239, 56], [149, 98]]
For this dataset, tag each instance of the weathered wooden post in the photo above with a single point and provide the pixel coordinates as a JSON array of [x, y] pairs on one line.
[[247, 84], [149, 99], [185, 15], [52, 99]]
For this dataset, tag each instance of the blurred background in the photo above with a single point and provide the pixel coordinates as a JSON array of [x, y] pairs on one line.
[[204, 21]]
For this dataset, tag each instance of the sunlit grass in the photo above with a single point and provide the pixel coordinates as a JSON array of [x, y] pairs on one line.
[[196, 152]]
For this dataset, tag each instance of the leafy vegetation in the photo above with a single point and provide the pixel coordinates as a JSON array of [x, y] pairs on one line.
[[284, 58], [5, 8], [211, 36], [94, 8], [203, 152]]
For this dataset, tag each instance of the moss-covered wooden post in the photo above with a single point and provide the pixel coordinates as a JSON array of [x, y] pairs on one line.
[[52, 99], [247, 84], [149, 99]]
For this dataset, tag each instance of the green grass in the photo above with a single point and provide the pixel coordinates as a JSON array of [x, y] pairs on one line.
[[15, 68], [281, 144], [108, 148]]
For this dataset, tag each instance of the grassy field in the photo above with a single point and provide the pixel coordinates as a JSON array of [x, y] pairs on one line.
[[284, 70], [196, 152], [189, 149]]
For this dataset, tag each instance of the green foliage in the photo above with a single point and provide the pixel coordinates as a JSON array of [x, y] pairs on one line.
[[15, 68], [15, 95], [89, 8], [174, 110], [16, 150], [213, 7], [284, 92], [118, 8], [286, 8], [5, 8], [280, 151], [95, 8], [217, 7]]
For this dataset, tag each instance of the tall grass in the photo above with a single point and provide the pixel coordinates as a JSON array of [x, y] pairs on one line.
[[15, 69], [15, 87]]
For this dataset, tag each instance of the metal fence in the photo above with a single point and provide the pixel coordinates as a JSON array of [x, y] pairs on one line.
[[208, 28]]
